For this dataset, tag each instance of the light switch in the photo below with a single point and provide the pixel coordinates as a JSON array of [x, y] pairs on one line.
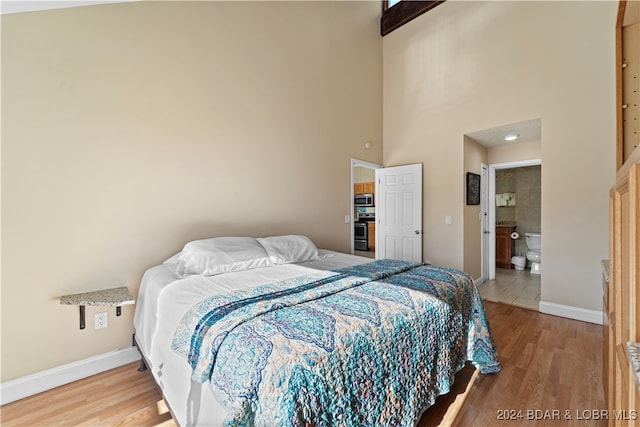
[[447, 219], [347, 219]]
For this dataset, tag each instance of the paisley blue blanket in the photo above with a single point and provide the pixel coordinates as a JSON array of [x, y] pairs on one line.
[[372, 344]]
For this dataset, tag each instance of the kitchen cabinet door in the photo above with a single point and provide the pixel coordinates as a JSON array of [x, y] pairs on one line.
[[369, 187]]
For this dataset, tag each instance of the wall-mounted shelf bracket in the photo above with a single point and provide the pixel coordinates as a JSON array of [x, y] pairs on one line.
[[105, 297], [82, 323]]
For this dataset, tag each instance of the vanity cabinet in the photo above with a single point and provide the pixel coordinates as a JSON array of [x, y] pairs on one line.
[[505, 246]]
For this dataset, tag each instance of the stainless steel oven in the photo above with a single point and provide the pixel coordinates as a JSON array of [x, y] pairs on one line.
[[361, 236]]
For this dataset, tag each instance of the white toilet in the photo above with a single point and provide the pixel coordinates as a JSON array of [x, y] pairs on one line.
[[534, 244]]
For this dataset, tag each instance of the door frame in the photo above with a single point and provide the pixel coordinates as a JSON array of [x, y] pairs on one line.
[[355, 163], [484, 223], [491, 202]]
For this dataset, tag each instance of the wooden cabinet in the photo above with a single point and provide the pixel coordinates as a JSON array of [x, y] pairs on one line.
[[505, 246], [364, 187], [372, 235], [623, 293], [369, 187], [628, 80], [622, 298], [606, 313]]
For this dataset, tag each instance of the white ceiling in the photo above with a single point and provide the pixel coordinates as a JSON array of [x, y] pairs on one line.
[[529, 131], [17, 6]]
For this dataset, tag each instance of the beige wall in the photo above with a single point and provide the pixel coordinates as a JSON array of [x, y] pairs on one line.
[[362, 174], [129, 129], [466, 66], [474, 155]]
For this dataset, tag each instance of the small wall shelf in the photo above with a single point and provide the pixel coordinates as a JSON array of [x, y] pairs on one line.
[[105, 297]]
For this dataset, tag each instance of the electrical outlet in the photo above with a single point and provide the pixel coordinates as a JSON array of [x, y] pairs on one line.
[[101, 320]]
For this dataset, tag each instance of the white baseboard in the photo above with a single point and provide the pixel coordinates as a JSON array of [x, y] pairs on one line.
[[577, 313], [29, 385]]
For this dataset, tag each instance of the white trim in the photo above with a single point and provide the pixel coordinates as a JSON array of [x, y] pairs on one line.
[[518, 164], [364, 164], [492, 205], [577, 313], [29, 385], [484, 223], [491, 224]]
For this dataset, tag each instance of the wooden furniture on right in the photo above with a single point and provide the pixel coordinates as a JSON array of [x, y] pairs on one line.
[[627, 80], [623, 394], [606, 378], [622, 299], [505, 245]]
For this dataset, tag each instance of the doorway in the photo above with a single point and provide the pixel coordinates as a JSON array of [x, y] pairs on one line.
[[362, 182], [489, 241], [505, 283], [511, 146]]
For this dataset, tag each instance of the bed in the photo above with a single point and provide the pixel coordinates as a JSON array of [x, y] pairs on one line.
[[272, 331]]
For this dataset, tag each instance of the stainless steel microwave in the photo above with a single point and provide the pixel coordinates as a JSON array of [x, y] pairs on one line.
[[363, 200]]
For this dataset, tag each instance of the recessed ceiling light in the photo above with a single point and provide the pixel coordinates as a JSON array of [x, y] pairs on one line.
[[511, 137]]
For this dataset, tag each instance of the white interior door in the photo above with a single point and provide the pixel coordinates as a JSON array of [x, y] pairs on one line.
[[484, 222], [399, 212]]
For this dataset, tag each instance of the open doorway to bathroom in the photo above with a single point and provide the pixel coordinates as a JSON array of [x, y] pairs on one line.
[[511, 204], [515, 211]]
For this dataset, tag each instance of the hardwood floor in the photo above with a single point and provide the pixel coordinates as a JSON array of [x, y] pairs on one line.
[[119, 397], [548, 364]]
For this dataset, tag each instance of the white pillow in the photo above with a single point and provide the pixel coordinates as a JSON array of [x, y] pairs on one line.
[[287, 249], [219, 255], [172, 260]]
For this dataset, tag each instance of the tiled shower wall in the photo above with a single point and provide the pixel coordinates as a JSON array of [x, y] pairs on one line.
[[526, 183]]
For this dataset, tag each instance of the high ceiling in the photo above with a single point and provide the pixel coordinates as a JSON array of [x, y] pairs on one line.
[[527, 131], [18, 6]]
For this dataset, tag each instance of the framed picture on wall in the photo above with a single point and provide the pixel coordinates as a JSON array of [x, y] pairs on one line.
[[473, 188]]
